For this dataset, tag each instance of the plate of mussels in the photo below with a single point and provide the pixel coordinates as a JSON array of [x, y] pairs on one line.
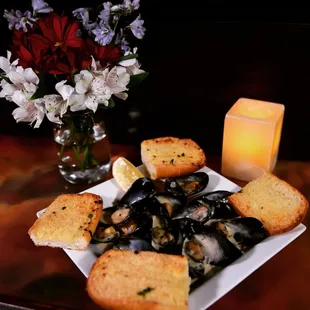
[[190, 216]]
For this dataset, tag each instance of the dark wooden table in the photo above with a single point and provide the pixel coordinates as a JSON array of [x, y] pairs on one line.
[[45, 278]]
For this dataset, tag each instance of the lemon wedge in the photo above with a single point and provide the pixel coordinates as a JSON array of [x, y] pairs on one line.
[[125, 173]]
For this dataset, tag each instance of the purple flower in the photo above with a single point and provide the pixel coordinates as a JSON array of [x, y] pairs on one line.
[[126, 7], [39, 6], [103, 33], [91, 26], [137, 27], [136, 4], [82, 14], [121, 40], [105, 13], [19, 20]]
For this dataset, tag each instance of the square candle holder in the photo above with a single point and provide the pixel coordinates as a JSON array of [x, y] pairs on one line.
[[251, 138]]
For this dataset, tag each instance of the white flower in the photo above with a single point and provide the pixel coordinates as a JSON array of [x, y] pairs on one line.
[[132, 65], [7, 90], [5, 64], [24, 79], [117, 80], [93, 88], [28, 111], [56, 105]]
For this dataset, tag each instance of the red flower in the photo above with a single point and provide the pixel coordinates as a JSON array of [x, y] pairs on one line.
[[51, 47], [106, 55], [60, 32]]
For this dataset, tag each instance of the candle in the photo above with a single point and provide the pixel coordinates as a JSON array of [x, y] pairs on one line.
[[252, 133]]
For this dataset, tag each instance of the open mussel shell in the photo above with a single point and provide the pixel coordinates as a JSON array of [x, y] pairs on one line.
[[189, 184], [133, 244], [139, 190], [171, 202], [165, 235], [106, 234], [202, 209], [115, 215], [208, 249], [242, 232]]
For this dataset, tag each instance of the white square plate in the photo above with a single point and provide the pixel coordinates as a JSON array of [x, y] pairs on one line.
[[225, 280]]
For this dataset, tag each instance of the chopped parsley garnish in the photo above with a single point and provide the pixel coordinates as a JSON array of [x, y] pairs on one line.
[[63, 208], [90, 216], [145, 291], [171, 161]]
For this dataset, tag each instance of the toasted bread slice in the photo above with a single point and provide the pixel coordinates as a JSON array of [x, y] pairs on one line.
[[171, 157], [69, 222], [278, 205], [127, 280]]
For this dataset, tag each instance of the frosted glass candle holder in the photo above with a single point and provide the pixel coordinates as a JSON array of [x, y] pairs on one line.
[[251, 139]]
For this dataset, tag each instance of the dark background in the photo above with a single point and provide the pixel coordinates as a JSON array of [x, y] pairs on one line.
[[202, 56]]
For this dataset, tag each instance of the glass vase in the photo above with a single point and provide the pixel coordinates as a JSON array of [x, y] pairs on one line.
[[83, 148]]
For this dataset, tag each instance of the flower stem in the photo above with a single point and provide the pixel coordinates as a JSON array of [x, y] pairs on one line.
[[77, 156]]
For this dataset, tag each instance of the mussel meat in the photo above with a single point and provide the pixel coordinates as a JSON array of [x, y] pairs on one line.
[[242, 232], [189, 184], [165, 236], [106, 234], [115, 215]]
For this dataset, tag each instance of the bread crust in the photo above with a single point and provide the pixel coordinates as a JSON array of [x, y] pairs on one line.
[[279, 226], [175, 166], [94, 206], [100, 293]]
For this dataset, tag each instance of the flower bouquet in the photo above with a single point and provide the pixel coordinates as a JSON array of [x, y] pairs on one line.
[[66, 67]]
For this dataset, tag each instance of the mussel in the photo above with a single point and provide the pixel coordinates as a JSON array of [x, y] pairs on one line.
[[219, 195], [207, 250], [188, 185], [171, 202], [165, 236], [242, 232], [133, 244], [115, 215], [139, 190], [106, 234], [201, 209]]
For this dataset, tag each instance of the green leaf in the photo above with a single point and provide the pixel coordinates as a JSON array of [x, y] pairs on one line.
[[111, 103], [137, 79], [42, 88], [130, 56]]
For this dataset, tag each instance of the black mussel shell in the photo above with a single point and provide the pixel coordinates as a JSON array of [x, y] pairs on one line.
[[171, 202], [133, 244], [243, 232], [142, 188], [106, 215], [208, 249], [189, 184], [220, 195], [154, 207], [188, 226]]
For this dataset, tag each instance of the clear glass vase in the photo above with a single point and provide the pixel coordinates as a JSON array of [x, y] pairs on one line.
[[84, 149]]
